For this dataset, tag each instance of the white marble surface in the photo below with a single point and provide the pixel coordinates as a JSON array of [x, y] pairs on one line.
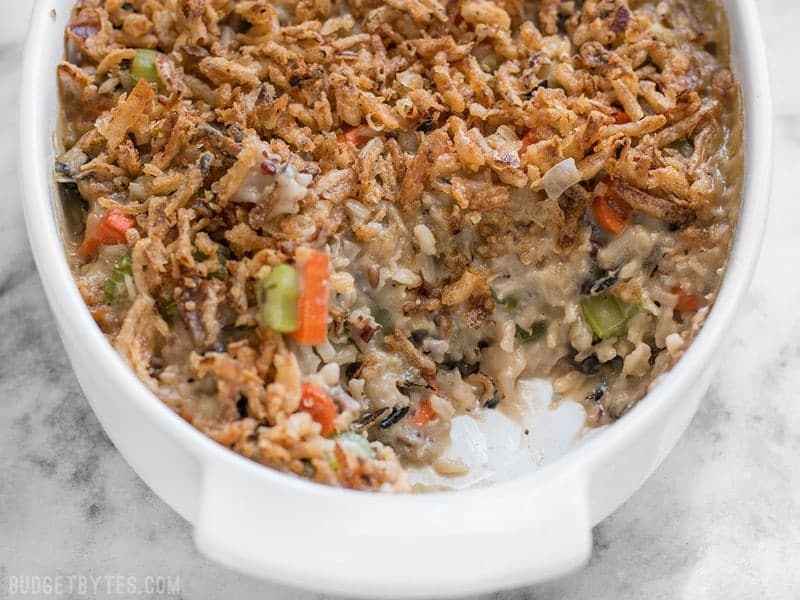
[[719, 520]]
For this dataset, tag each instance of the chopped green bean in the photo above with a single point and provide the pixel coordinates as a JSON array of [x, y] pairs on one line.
[[383, 318], [421, 488], [684, 146], [144, 67], [278, 294], [510, 302], [538, 329], [115, 286], [223, 254], [355, 444], [169, 309], [607, 315], [332, 462]]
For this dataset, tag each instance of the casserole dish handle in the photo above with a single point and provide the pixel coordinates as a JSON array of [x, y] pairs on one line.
[[373, 544]]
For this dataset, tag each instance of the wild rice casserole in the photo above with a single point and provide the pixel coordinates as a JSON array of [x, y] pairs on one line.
[[320, 229]]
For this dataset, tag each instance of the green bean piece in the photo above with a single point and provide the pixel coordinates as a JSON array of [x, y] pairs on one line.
[[223, 254], [538, 329], [510, 302], [115, 286], [169, 309], [278, 294], [684, 146], [383, 318], [607, 315], [355, 444], [144, 67], [421, 488]]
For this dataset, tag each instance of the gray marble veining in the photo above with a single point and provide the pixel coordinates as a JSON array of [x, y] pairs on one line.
[[720, 518]]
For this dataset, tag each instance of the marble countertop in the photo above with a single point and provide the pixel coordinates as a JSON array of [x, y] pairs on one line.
[[719, 519]]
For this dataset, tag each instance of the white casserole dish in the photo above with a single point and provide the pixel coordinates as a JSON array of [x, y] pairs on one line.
[[282, 528]]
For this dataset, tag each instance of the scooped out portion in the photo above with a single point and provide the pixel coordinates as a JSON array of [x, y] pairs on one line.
[[339, 238]]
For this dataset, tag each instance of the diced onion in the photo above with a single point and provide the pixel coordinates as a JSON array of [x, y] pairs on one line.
[[561, 177], [425, 239], [330, 374], [289, 186], [407, 277], [326, 351], [411, 80]]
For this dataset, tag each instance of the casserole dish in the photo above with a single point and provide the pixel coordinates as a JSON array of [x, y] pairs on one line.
[[527, 529]]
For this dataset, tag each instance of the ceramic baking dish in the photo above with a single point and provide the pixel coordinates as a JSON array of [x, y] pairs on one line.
[[250, 518]]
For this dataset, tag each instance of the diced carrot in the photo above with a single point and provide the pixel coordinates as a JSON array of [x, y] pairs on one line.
[[314, 300], [612, 213], [317, 402], [353, 135], [109, 230], [527, 140], [687, 302], [621, 117], [425, 414]]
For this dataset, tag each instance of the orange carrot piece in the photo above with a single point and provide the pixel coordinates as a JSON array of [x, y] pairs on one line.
[[425, 414], [688, 303], [612, 213], [110, 229], [352, 135], [621, 117], [314, 300], [317, 402], [527, 140]]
